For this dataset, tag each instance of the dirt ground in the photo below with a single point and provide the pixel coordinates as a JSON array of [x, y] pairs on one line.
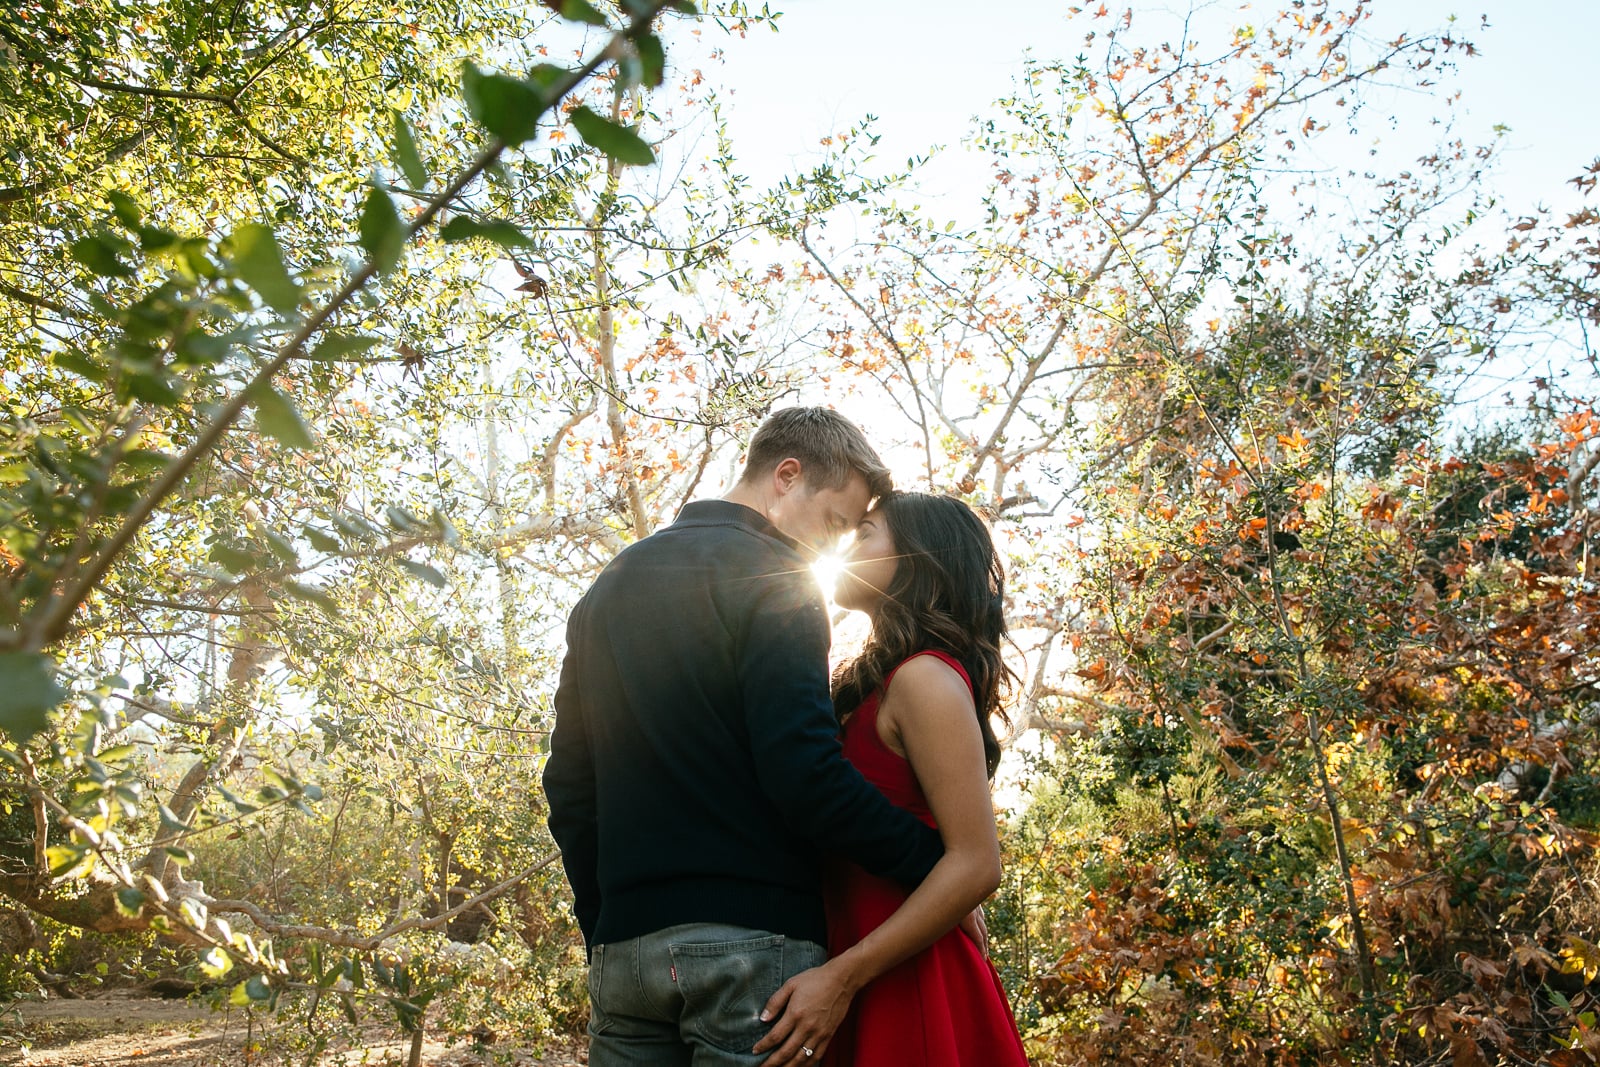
[[118, 1031]]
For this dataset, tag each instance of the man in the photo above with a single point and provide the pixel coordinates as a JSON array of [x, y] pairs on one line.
[[694, 775]]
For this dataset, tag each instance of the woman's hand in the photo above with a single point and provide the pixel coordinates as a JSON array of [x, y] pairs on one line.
[[977, 929], [808, 1009]]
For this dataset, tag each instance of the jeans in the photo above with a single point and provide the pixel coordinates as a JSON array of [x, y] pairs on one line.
[[688, 996]]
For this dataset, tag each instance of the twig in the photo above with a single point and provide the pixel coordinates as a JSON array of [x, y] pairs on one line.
[[347, 938]]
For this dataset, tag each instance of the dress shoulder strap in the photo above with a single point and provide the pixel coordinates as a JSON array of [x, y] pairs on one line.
[[942, 656]]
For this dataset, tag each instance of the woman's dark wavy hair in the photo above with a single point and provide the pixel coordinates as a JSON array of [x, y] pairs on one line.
[[947, 594]]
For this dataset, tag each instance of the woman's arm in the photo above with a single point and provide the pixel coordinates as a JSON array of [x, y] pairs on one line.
[[928, 710]]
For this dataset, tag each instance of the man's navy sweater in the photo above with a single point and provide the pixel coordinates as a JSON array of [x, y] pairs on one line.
[[695, 773]]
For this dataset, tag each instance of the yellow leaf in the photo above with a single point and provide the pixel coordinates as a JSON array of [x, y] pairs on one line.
[[1580, 957]]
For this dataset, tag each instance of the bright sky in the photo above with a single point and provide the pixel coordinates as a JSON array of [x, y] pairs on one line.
[[926, 68]]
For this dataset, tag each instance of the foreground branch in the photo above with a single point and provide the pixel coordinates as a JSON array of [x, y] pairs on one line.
[[352, 939]]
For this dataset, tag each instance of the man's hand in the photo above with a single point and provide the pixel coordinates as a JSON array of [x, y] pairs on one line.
[[807, 1010], [974, 927]]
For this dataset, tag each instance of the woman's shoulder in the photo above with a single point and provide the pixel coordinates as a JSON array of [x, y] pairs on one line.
[[929, 674]]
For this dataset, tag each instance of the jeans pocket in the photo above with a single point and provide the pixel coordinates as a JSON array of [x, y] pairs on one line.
[[725, 984], [801, 955], [597, 1015]]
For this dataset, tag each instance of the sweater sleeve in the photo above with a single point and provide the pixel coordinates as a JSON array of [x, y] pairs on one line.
[[783, 673], [569, 785]]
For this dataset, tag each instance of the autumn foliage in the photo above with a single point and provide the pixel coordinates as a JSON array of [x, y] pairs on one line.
[[335, 370], [1337, 800]]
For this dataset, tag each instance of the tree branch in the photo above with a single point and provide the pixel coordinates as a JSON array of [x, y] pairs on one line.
[[347, 938], [51, 620]]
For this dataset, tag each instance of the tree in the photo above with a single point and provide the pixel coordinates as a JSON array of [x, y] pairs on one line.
[[169, 559], [1210, 437]]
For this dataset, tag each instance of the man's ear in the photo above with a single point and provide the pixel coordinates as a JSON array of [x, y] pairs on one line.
[[787, 476]]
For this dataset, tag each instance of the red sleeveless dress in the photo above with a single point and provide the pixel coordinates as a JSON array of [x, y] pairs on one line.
[[944, 1007]]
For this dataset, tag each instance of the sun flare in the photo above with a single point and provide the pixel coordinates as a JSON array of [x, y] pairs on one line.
[[827, 570]]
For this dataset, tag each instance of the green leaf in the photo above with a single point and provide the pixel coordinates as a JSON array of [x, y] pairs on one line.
[[508, 108], [180, 856], [143, 462], [69, 861], [406, 156], [314, 595], [652, 59], [546, 76], [201, 349], [127, 799], [281, 547], [618, 142], [129, 902], [241, 806], [354, 526], [97, 773], [277, 418], [355, 972], [408, 1015], [193, 256], [125, 208], [257, 988], [170, 821], [423, 571], [233, 558], [403, 520], [152, 389], [100, 256], [81, 365], [28, 690], [154, 238], [335, 347], [581, 11], [447, 529], [314, 961], [505, 234], [383, 235], [259, 261], [321, 541]]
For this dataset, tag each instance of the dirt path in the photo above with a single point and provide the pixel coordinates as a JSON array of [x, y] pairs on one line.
[[129, 1032]]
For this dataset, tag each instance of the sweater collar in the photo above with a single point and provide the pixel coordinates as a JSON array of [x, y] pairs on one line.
[[723, 512]]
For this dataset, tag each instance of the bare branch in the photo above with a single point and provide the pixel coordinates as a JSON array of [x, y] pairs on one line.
[[347, 938]]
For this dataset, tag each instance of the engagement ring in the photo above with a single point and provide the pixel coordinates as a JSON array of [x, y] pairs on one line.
[[807, 1051]]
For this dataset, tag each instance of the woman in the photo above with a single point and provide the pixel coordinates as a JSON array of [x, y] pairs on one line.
[[915, 707]]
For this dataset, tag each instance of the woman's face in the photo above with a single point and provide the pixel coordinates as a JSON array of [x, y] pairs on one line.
[[869, 565]]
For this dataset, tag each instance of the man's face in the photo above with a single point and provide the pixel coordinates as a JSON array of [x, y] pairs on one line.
[[818, 518]]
